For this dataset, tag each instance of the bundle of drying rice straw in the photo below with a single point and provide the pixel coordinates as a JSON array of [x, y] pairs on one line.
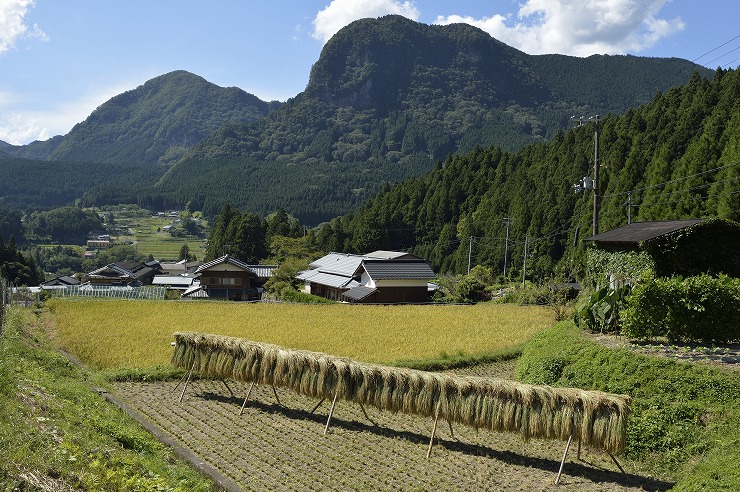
[[598, 419]]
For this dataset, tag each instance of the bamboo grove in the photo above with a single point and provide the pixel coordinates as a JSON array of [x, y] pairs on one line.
[[597, 419]]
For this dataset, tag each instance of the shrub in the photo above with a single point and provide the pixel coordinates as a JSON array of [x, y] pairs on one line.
[[701, 309]]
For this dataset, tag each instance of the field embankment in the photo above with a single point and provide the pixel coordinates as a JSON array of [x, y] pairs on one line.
[[685, 419], [137, 334], [56, 433]]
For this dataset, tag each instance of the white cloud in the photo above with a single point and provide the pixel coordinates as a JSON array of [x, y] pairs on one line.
[[13, 23], [19, 127], [339, 13], [578, 27]]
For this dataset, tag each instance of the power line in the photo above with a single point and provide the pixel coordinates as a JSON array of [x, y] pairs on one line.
[[671, 181], [715, 49]]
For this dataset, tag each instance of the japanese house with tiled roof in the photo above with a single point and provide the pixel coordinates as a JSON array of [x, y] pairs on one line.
[[229, 278], [384, 277]]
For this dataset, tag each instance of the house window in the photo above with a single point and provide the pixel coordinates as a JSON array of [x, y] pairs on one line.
[[231, 281]]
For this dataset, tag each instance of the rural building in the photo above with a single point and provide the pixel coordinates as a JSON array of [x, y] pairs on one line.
[[679, 247], [386, 277], [127, 273], [61, 282], [179, 268], [176, 282], [229, 278]]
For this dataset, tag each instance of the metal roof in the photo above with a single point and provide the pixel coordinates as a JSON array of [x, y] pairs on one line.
[[179, 280], [336, 281], [225, 259], [398, 269], [642, 231], [359, 293], [390, 255]]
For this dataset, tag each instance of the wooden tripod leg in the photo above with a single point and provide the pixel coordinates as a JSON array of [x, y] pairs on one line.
[[331, 412], [434, 432], [317, 406], [366, 416], [190, 373], [615, 462], [562, 462], [249, 392], [227, 387], [452, 433], [274, 391], [578, 455], [183, 377]]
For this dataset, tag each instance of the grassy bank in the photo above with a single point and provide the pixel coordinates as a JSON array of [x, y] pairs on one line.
[[56, 433], [685, 417], [136, 334]]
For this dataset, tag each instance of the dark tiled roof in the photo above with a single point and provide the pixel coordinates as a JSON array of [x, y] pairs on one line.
[[398, 269], [642, 231], [359, 293]]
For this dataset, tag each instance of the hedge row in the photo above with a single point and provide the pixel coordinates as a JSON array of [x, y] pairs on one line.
[[702, 309]]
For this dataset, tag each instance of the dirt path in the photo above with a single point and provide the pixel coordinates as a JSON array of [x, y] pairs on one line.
[[282, 447]]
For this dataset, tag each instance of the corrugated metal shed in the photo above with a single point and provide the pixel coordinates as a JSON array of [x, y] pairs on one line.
[[642, 231], [336, 281]]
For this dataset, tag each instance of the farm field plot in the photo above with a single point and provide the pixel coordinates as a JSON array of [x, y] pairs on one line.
[[282, 447], [106, 334]]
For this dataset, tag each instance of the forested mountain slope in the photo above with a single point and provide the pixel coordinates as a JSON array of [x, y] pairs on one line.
[[387, 98], [153, 123], [675, 157]]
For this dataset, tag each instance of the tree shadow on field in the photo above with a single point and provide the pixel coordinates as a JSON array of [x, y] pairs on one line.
[[574, 471]]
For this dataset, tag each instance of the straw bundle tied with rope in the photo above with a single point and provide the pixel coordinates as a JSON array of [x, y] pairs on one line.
[[598, 419]]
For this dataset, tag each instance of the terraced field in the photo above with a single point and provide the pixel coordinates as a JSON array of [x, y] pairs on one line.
[[276, 446]]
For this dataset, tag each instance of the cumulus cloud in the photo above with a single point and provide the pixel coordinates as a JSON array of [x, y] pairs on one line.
[[13, 23], [19, 127], [578, 27], [339, 13]]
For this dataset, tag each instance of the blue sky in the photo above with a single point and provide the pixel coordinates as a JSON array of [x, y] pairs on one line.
[[59, 60]]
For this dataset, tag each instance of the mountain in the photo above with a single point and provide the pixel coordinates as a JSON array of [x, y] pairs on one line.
[[387, 98], [676, 157], [154, 123]]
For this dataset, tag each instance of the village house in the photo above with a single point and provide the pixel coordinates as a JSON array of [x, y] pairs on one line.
[[229, 278], [679, 247], [126, 273], [385, 277]]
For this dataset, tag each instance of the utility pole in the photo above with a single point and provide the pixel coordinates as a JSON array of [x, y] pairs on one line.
[[597, 165], [588, 183], [524, 269], [506, 244], [629, 207], [470, 252]]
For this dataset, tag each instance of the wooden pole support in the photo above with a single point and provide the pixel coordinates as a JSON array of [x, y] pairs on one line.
[[249, 392], [317, 406], [452, 433], [190, 373], [331, 412], [562, 462], [616, 462], [366, 416], [182, 378], [434, 432], [578, 455], [274, 391], [227, 387]]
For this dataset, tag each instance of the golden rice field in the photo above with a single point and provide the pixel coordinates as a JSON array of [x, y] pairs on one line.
[[109, 334]]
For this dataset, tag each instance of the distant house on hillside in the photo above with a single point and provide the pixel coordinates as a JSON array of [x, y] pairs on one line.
[[679, 247], [229, 278], [386, 277]]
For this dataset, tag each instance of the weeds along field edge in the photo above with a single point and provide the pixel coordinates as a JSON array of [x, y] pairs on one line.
[[115, 334]]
